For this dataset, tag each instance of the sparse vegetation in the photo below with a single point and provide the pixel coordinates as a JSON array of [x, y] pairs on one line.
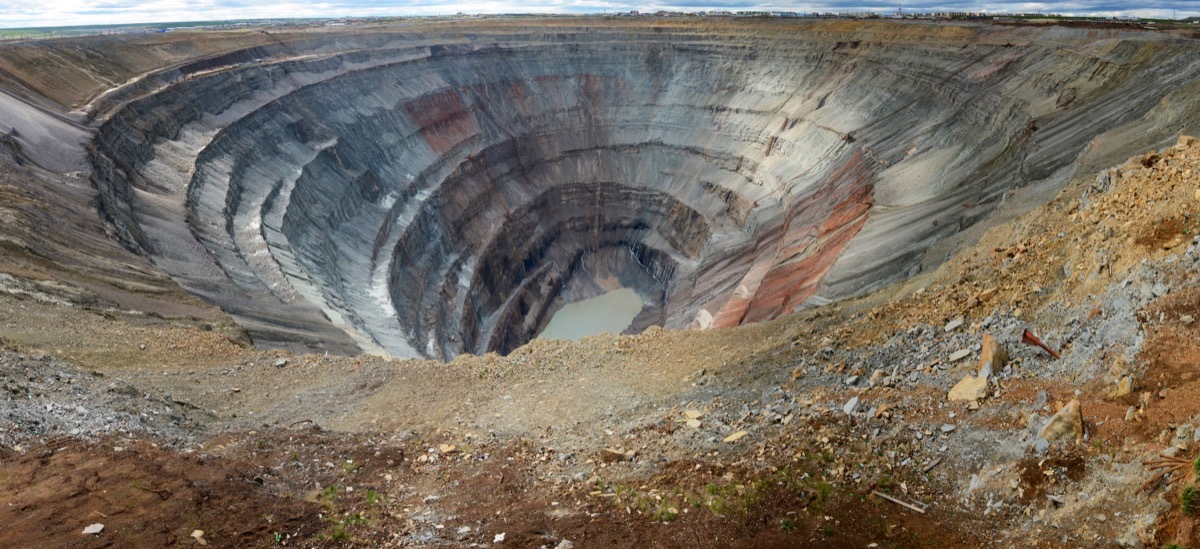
[[1188, 500], [827, 530], [823, 490]]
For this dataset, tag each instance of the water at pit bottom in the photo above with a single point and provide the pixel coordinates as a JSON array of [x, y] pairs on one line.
[[611, 312]]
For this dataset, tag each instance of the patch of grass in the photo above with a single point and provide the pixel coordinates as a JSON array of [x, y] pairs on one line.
[[665, 512], [1189, 499], [327, 498], [349, 467], [823, 489], [788, 525], [827, 530], [372, 496], [1196, 467], [736, 498], [720, 498], [340, 529]]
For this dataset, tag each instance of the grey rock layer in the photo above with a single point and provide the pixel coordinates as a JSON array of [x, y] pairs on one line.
[[429, 195]]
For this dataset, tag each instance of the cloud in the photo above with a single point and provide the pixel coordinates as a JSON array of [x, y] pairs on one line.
[[26, 13]]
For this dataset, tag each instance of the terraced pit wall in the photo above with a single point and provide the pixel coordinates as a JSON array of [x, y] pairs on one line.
[[436, 190]]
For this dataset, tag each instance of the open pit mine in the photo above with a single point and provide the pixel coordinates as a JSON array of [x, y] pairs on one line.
[[435, 194], [370, 224]]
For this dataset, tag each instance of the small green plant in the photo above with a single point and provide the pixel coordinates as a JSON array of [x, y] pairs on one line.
[[339, 532], [327, 498], [823, 491], [349, 467], [1196, 467], [372, 496], [665, 513], [788, 525], [827, 530], [1188, 500]]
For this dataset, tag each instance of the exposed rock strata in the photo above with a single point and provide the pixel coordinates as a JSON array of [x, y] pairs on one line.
[[433, 193]]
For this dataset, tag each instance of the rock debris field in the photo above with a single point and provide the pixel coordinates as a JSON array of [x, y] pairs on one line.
[[907, 284]]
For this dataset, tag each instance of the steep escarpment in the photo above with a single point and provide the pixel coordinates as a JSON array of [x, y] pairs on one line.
[[430, 193]]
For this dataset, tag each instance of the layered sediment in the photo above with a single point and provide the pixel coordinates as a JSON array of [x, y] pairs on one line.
[[433, 192]]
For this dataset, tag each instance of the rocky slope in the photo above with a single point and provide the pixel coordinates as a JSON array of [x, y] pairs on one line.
[[431, 192]]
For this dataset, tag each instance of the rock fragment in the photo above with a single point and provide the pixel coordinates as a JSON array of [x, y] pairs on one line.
[[851, 406], [736, 436], [93, 529], [1124, 387], [954, 324], [992, 357], [1067, 424], [970, 388], [612, 455]]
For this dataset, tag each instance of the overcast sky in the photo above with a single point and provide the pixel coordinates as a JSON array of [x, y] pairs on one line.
[[27, 13]]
